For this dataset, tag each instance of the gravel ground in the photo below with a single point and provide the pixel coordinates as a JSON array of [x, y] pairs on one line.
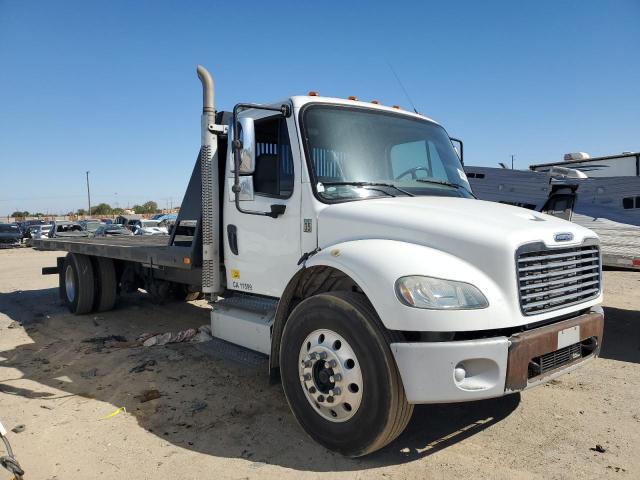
[[218, 417]]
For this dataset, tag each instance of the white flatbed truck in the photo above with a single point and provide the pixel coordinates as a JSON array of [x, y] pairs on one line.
[[341, 238]]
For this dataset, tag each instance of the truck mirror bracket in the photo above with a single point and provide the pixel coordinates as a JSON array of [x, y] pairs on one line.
[[217, 129]]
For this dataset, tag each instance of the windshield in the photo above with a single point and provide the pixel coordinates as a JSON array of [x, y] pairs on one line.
[[360, 153], [150, 223], [8, 229]]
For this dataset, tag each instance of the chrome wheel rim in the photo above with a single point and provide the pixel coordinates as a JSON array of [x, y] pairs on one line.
[[330, 375], [70, 283]]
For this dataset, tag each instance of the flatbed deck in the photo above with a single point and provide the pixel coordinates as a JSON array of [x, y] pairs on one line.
[[152, 250]]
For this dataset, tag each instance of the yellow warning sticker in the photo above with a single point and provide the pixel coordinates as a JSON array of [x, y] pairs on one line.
[[235, 274]]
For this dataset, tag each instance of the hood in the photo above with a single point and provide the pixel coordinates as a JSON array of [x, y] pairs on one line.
[[485, 234]]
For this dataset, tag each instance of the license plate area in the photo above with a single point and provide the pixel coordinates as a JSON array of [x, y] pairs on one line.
[[568, 336]]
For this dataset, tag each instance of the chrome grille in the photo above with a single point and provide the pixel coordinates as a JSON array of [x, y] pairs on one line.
[[549, 279]]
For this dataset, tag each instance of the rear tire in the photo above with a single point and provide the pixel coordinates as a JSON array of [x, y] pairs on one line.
[[106, 285], [79, 283], [370, 408]]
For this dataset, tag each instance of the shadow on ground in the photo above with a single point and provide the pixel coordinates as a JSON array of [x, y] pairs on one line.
[[211, 401]]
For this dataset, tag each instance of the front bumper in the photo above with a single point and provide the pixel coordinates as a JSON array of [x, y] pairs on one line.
[[440, 372]]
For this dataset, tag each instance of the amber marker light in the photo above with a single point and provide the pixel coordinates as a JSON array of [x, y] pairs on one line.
[[313, 93]]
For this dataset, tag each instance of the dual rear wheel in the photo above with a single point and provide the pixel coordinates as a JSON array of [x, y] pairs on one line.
[[88, 284]]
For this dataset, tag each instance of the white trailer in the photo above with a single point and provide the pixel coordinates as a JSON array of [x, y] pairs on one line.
[[626, 164], [341, 238]]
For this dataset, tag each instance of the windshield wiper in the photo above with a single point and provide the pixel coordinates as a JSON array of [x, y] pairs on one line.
[[444, 182], [372, 184]]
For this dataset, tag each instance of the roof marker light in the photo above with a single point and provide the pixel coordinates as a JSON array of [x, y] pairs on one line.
[[376, 102], [352, 97], [313, 93], [396, 106]]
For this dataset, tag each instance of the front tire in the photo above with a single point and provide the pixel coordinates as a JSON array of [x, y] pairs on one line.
[[339, 375]]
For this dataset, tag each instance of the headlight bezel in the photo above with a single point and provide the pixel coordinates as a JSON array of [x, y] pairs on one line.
[[481, 300]]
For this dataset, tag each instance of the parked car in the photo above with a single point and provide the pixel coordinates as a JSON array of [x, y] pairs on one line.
[[114, 230], [90, 225], [25, 227], [10, 235], [37, 232], [65, 228], [167, 221], [148, 227], [106, 221]]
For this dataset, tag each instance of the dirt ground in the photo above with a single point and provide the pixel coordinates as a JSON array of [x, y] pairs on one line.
[[218, 416]]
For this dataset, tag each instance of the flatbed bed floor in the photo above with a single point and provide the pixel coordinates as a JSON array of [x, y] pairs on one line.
[[151, 250]]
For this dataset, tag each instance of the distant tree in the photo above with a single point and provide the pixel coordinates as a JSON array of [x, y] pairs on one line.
[[39, 214], [150, 207], [18, 214], [117, 211], [81, 211], [138, 209], [102, 209]]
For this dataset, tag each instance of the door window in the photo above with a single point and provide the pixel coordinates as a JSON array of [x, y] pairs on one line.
[[273, 174]]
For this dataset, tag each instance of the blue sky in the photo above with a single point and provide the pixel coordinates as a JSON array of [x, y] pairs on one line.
[[110, 86]]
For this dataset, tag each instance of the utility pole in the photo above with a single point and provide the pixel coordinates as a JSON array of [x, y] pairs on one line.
[[512, 162], [88, 193]]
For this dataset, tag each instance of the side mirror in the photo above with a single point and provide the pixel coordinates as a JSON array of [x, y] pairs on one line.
[[460, 152], [247, 136]]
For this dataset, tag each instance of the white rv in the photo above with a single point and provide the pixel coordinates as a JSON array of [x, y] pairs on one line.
[[626, 164]]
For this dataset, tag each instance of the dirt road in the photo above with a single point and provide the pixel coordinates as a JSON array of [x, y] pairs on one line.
[[218, 417]]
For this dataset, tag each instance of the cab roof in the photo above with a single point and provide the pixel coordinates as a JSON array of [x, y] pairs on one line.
[[301, 100]]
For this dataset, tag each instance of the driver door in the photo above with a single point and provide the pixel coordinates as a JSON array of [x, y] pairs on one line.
[[261, 253]]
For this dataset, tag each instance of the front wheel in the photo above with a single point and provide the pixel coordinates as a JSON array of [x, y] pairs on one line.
[[339, 375]]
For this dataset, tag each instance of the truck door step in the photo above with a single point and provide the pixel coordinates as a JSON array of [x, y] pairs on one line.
[[244, 320], [218, 348]]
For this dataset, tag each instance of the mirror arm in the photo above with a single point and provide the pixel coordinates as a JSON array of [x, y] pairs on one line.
[[285, 111], [461, 148]]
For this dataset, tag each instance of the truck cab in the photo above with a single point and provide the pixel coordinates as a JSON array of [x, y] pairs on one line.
[[342, 239], [474, 299]]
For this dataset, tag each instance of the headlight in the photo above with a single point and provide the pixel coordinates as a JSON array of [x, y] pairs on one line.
[[437, 294]]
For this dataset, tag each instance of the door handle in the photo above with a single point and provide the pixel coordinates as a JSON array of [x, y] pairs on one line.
[[232, 236], [277, 209]]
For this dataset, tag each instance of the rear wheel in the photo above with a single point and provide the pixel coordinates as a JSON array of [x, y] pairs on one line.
[[79, 283], [106, 286], [339, 375]]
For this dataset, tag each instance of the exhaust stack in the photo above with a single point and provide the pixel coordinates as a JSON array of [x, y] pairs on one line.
[[210, 187], [208, 89]]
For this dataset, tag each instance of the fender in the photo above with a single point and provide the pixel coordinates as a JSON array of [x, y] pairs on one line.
[[375, 265]]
